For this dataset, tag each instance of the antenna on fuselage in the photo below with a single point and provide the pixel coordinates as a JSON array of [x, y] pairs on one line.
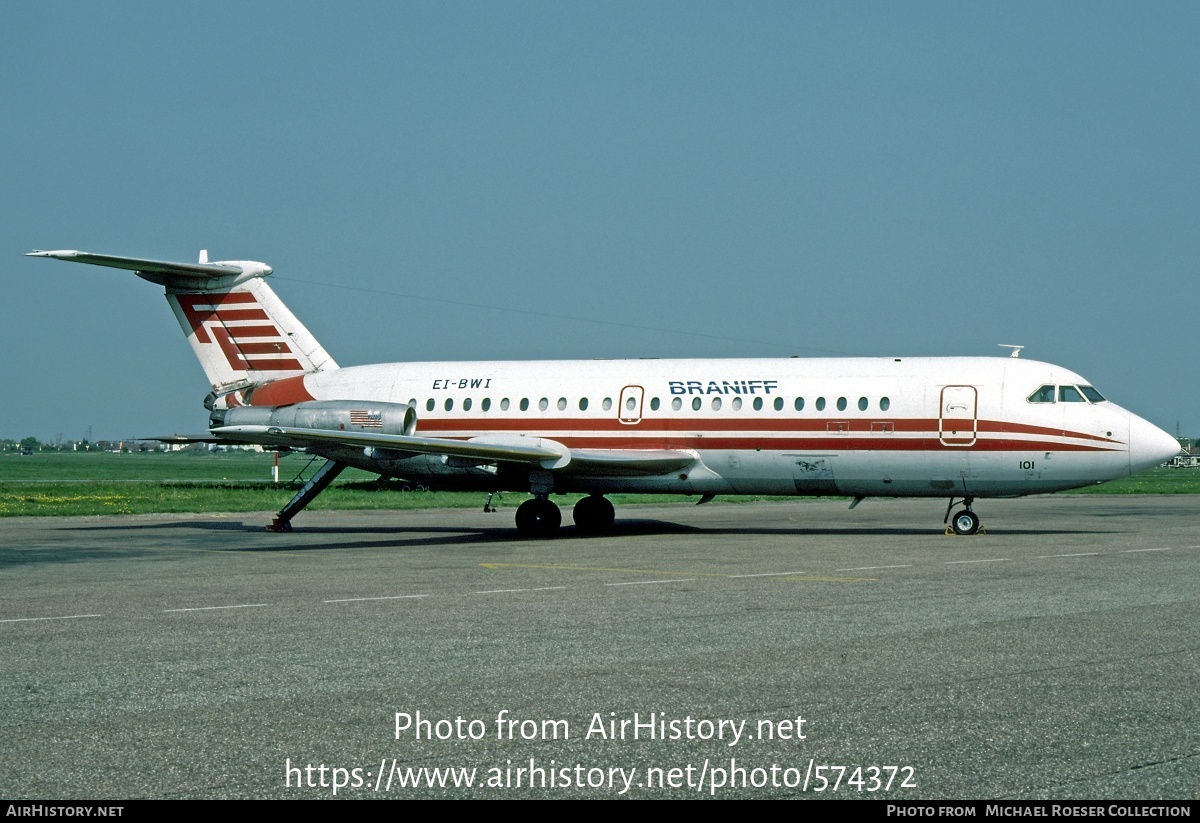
[[1016, 350]]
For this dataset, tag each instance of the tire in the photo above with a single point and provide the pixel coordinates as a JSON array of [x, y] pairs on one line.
[[593, 514], [965, 522], [538, 518]]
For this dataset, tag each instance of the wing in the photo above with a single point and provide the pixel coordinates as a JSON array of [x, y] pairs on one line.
[[531, 451]]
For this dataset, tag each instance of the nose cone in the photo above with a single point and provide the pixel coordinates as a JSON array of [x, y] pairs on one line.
[[1149, 446]]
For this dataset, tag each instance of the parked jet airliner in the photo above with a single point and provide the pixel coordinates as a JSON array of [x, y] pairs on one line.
[[955, 427]]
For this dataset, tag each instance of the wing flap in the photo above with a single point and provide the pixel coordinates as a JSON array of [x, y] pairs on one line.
[[627, 462]]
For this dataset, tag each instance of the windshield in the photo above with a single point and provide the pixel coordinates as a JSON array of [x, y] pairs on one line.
[[1044, 394]]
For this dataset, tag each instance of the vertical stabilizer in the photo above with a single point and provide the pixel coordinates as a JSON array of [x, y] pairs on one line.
[[246, 335]]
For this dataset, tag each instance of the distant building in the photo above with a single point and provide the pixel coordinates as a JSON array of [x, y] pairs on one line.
[[1188, 458]]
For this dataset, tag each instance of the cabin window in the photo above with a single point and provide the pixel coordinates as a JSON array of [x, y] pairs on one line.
[[799, 404], [562, 404], [695, 404], [862, 404], [1069, 394], [630, 403], [654, 404], [841, 404], [1091, 394], [758, 404], [429, 404], [449, 404], [737, 404], [778, 404], [820, 404], [467, 404], [543, 404], [716, 404], [486, 404], [504, 404], [1044, 394], [524, 404], [676, 403], [884, 404], [583, 404], [607, 404], [412, 401]]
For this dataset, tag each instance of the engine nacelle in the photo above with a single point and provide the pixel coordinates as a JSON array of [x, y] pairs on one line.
[[328, 415]]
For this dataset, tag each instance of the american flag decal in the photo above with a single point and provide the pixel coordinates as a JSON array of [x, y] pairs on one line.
[[366, 419], [235, 321]]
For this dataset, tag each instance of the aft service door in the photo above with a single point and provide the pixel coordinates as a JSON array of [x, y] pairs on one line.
[[630, 409], [957, 420]]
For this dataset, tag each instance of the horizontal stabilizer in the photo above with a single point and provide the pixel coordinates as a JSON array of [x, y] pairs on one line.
[[180, 276], [240, 331]]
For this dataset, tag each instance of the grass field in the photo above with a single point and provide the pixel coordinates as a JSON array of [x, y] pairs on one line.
[[72, 484]]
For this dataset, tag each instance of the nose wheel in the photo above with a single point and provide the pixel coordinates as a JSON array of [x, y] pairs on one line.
[[964, 522]]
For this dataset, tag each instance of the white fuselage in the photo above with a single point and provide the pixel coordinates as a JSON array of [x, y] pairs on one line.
[[956, 427], [938, 427]]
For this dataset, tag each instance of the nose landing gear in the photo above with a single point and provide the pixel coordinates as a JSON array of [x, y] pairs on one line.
[[964, 522]]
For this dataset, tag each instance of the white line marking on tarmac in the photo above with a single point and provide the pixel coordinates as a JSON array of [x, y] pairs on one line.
[[1079, 554], [213, 608], [766, 574], [509, 591], [991, 560], [872, 568], [64, 617], [648, 582], [360, 599], [1131, 551]]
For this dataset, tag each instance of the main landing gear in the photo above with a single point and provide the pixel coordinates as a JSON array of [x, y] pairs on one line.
[[593, 514], [965, 522], [539, 517]]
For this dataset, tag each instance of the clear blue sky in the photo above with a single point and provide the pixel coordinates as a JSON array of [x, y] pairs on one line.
[[866, 178]]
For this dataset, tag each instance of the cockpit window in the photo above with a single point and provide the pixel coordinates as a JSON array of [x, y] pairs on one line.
[[1069, 394], [1043, 395], [1091, 394]]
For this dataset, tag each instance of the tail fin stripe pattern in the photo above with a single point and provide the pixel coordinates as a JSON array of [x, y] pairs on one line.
[[229, 315], [235, 353], [238, 332], [261, 348], [202, 308]]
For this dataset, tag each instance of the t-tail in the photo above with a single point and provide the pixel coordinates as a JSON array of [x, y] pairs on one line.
[[242, 333]]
